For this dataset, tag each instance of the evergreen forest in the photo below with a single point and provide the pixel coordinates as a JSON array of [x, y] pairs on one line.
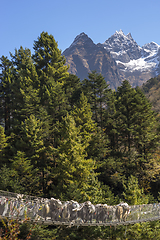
[[76, 140]]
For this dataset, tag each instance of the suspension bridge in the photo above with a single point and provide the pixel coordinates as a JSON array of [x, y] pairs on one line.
[[55, 212]]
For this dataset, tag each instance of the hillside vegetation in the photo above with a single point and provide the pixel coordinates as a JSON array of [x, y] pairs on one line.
[[152, 91]]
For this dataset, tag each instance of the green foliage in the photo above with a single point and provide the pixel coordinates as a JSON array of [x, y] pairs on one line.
[[72, 88], [133, 194], [73, 169], [146, 87], [144, 231], [6, 94], [23, 172], [7, 182], [132, 129], [48, 59], [3, 144], [83, 118], [96, 90], [32, 142], [152, 90], [25, 87], [13, 229]]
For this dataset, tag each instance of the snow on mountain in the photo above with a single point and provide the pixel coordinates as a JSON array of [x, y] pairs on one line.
[[137, 65], [129, 56], [122, 47], [120, 42], [118, 58], [152, 46]]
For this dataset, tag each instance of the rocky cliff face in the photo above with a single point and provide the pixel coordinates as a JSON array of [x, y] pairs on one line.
[[83, 56], [118, 58]]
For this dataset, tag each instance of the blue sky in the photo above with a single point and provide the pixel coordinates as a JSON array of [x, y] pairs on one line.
[[22, 21]]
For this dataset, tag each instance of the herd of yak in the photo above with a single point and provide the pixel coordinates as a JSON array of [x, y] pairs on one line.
[[54, 210], [72, 211]]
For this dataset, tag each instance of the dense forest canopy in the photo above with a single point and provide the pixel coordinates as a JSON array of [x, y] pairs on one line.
[[70, 139], [152, 91]]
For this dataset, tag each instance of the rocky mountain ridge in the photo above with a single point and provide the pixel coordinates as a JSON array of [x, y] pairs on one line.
[[118, 58], [84, 55]]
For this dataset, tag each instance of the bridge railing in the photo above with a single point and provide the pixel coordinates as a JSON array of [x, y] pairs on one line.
[[54, 211]]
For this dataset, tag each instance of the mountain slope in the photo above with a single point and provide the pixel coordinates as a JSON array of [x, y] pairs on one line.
[[152, 91], [136, 64], [83, 56], [118, 58]]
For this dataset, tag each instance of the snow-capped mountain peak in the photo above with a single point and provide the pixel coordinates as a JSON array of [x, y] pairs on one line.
[[152, 46], [129, 36], [129, 55], [120, 32], [120, 38], [122, 47]]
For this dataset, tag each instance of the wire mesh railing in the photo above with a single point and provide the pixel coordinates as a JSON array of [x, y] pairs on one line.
[[53, 211]]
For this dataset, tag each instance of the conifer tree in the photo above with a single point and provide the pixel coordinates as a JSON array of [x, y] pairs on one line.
[[96, 90], [2, 139], [72, 87], [133, 194], [6, 93], [132, 130], [73, 168], [93, 137], [25, 87], [110, 121], [3, 144], [24, 175], [83, 118], [90, 132], [48, 59], [52, 72], [32, 142], [49, 62]]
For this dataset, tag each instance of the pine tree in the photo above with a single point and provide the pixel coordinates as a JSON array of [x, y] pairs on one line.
[[96, 90], [25, 87], [3, 144], [24, 175], [72, 88], [83, 118], [110, 122], [94, 138], [132, 130], [73, 168], [48, 59], [2, 139], [6, 94], [52, 73], [133, 194], [92, 135], [32, 141]]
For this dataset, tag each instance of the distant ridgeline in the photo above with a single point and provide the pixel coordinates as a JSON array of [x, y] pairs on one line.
[[53, 211]]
